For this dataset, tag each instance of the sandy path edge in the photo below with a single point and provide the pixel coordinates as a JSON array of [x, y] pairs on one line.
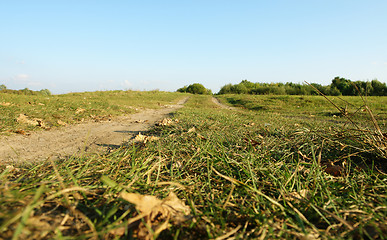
[[80, 138]]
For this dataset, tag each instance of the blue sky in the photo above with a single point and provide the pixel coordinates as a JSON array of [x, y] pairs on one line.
[[84, 45]]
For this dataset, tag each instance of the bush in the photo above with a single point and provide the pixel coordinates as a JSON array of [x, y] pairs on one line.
[[195, 88], [182, 90]]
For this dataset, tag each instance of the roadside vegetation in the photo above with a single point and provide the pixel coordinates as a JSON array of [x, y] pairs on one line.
[[23, 111], [277, 167], [339, 86]]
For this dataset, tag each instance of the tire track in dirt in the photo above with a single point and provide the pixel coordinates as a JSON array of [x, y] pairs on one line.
[[81, 138]]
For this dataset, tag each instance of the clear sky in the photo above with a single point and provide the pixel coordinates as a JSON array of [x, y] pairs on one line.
[[88, 45]]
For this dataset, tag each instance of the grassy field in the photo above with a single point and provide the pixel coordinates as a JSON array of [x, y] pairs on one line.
[[309, 105], [59, 110], [278, 167]]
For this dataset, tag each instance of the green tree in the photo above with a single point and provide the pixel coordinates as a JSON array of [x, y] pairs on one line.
[[226, 89], [378, 88], [45, 92], [333, 91], [249, 85], [364, 88], [3, 87], [27, 91], [182, 90], [345, 86], [239, 88]]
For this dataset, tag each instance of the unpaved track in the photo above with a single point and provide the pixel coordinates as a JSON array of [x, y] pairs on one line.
[[81, 138], [217, 102]]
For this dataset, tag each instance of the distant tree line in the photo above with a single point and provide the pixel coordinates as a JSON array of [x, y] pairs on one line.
[[25, 91], [339, 86], [195, 88]]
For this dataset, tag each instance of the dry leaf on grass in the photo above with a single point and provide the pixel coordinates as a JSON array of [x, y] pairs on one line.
[[140, 138], [167, 122], [335, 170], [144, 138], [117, 232], [21, 131], [11, 168], [303, 194], [253, 142], [313, 235], [79, 110], [60, 122], [22, 118], [193, 129], [5, 104], [201, 137], [156, 213]]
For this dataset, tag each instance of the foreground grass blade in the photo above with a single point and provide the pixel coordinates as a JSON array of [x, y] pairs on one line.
[[27, 212]]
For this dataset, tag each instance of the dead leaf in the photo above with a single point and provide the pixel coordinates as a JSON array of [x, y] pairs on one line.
[[193, 129], [60, 122], [11, 168], [313, 235], [165, 122], [118, 231], [156, 213], [141, 121], [41, 123], [253, 142], [303, 194], [140, 138], [38, 223], [335, 170], [21, 131], [201, 137], [144, 138], [79, 110], [24, 119], [5, 104]]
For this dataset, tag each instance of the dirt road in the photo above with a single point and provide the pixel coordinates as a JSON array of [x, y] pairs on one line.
[[80, 138], [217, 102]]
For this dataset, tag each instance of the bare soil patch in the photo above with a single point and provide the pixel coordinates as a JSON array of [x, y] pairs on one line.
[[81, 138]]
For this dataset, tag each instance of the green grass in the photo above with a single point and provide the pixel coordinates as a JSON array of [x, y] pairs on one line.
[[307, 105], [76, 107], [237, 170]]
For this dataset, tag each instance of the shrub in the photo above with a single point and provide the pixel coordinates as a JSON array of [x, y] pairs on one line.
[[195, 88]]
